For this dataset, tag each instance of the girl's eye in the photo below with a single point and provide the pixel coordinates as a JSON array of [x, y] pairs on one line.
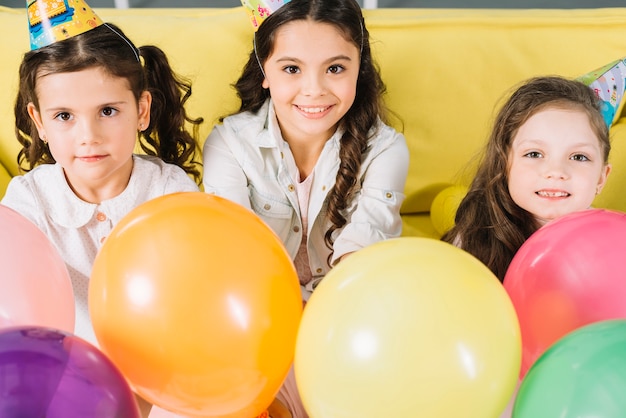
[[533, 154], [109, 111], [335, 69], [580, 157], [291, 69], [64, 116]]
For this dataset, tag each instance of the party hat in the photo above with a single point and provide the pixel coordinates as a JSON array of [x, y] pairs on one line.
[[51, 21], [259, 10], [609, 83]]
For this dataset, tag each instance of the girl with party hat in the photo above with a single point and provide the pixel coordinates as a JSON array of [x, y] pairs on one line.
[[309, 150], [547, 156], [86, 96]]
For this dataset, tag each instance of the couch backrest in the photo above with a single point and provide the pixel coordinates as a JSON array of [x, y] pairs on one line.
[[446, 71]]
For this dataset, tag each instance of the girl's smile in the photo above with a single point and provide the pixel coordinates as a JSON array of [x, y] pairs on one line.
[[316, 112]]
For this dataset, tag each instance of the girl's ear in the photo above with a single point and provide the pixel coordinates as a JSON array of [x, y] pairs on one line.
[[143, 117], [603, 176], [36, 117]]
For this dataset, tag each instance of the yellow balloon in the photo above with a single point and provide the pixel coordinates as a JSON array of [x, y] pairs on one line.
[[408, 327], [444, 207]]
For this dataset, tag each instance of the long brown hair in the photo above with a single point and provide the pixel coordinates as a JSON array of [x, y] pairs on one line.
[[367, 108], [108, 48], [488, 223]]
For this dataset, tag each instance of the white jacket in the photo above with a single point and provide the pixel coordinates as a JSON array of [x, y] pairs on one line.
[[247, 161]]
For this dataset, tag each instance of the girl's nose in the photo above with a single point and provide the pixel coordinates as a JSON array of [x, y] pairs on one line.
[[555, 170], [313, 85], [89, 132]]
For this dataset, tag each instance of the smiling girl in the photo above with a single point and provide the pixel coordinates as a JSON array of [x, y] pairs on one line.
[[547, 156], [309, 151]]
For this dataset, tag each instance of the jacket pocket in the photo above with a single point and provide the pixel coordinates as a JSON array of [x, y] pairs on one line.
[[275, 211]]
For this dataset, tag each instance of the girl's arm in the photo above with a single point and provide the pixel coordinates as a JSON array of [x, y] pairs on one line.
[[223, 175], [374, 214]]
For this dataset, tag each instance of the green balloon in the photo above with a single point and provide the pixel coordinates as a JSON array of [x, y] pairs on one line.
[[582, 375]]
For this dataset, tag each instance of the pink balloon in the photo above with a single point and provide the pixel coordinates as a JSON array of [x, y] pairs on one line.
[[570, 273], [35, 286]]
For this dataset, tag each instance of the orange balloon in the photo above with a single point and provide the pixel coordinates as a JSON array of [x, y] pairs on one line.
[[35, 286], [198, 303]]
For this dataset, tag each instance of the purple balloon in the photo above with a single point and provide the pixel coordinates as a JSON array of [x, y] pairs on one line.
[[49, 373]]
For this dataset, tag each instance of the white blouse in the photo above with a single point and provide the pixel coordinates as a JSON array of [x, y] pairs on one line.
[[78, 228]]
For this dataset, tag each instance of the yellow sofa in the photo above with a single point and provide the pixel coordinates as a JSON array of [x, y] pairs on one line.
[[446, 71]]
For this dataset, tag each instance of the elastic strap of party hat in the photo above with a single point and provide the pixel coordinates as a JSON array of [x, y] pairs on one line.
[[257, 55], [128, 42]]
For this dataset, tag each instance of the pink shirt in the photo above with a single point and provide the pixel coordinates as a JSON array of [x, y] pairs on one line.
[[303, 190]]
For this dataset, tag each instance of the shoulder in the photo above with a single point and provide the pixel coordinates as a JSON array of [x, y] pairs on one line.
[[384, 139], [383, 135], [248, 123], [43, 180], [242, 134], [41, 193]]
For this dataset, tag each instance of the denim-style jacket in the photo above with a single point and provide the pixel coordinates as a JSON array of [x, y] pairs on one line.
[[247, 161]]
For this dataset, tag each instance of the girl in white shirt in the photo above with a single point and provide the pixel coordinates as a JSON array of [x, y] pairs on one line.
[[82, 104], [309, 151]]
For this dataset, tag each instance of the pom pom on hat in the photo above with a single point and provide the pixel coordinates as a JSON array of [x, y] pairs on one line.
[[51, 21], [609, 83], [259, 10]]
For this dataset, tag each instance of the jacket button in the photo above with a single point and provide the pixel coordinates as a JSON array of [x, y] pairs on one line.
[[318, 271], [388, 195], [296, 228], [267, 206], [291, 188], [101, 217]]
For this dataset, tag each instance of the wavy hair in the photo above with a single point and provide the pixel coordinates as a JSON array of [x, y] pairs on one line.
[[488, 223]]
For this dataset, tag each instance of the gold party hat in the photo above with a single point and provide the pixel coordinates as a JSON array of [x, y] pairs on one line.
[[51, 21]]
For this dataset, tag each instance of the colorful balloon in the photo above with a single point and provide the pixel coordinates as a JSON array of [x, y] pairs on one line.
[[197, 301], [568, 274], [408, 327], [35, 286], [444, 207], [583, 374], [53, 374]]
